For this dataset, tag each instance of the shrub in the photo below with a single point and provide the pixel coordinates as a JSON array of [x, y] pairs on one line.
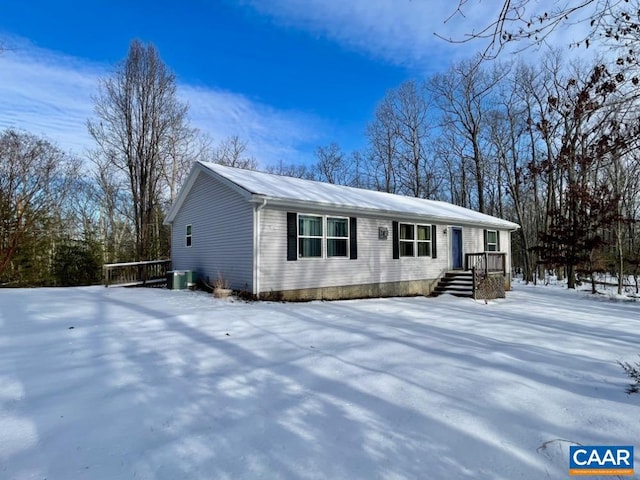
[[633, 371], [76, 264]]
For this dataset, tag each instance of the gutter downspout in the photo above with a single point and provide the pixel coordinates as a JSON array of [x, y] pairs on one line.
[[256, 247]]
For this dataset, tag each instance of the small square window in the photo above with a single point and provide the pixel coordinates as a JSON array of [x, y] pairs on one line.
[[336, 247], [406, 231], [406, 249], [311, 247], [424, 249], [337, 227], [424, 233]]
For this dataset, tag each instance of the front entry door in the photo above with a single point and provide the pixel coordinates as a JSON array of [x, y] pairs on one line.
[[456, 248]]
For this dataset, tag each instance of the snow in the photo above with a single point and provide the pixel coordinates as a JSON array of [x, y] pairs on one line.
[[289, 189], [159, 384]]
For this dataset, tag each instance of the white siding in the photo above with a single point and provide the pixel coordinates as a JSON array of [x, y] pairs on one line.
[[473, 242], [222, 234], [375, 263]]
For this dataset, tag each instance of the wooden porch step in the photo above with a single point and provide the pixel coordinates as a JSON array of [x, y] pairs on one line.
[[458, 273], [458, 283]]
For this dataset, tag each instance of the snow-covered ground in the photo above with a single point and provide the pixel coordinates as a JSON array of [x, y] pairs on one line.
[[606, 284], [119, 383]]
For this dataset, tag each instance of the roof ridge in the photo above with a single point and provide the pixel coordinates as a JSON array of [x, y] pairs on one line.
[[313, 192]]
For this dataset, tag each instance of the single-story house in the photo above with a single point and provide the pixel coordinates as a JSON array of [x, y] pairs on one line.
[[274, 236]]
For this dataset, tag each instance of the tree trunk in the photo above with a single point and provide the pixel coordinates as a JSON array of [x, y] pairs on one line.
[[571, 276]]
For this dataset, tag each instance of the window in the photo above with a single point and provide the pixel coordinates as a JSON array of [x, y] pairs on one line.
[[492, 241], [188, 236], [320, 236], [424, 240], [337, 237], [309, 236], [314, 232], [415, 239], [406, 240]]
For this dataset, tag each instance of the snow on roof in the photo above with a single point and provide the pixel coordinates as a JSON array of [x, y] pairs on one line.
[[282, 188]]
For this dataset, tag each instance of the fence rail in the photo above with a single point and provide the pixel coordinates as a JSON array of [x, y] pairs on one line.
[[135, 273]]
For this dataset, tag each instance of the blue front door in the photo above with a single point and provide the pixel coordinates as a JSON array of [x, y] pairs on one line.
[[456, 248]]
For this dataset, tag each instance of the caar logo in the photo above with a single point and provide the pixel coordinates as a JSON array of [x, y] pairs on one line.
[[601, 460]]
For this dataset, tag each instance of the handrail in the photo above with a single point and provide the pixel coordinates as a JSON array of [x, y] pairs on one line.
[[474, 285], [482, 264], [129, 264], [135, 273], [486, 262]]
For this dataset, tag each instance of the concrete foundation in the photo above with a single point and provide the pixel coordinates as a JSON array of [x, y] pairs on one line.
[[371, 290]]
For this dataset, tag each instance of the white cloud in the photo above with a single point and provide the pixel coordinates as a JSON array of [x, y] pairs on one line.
[[47, 94], [403, 32], [270, 134], [50, 94], [399, 31]]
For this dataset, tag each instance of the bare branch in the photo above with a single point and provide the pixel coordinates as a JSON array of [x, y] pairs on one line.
[[516, 22]]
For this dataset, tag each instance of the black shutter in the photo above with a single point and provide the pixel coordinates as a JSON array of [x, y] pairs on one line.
[[486, 246], [292, 236], [434, 253], [353, 238], [498, 240], [396, 240]]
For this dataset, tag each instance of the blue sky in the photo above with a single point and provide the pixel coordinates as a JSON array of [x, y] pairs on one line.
[[284, 75]]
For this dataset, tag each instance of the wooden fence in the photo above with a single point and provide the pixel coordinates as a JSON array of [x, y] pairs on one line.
[[136, 273]]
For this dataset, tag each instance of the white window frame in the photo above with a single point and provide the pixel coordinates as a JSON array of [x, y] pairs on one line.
[[325, 238], [494, 244], [328, 238], [407, 241], [427, 242], [302, 237], [414, 242], [188, 238]]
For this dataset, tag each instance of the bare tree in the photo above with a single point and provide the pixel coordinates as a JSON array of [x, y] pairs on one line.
[[139, 120], [464, 95], [399, 153], [513, 146], [116, 213], [231, 152], [186, 146], [36, 179], [383, 147], [455, 166], [331, 166], [358, 166], [622, 174], [590, 134], [411, 114], [297, 170]]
